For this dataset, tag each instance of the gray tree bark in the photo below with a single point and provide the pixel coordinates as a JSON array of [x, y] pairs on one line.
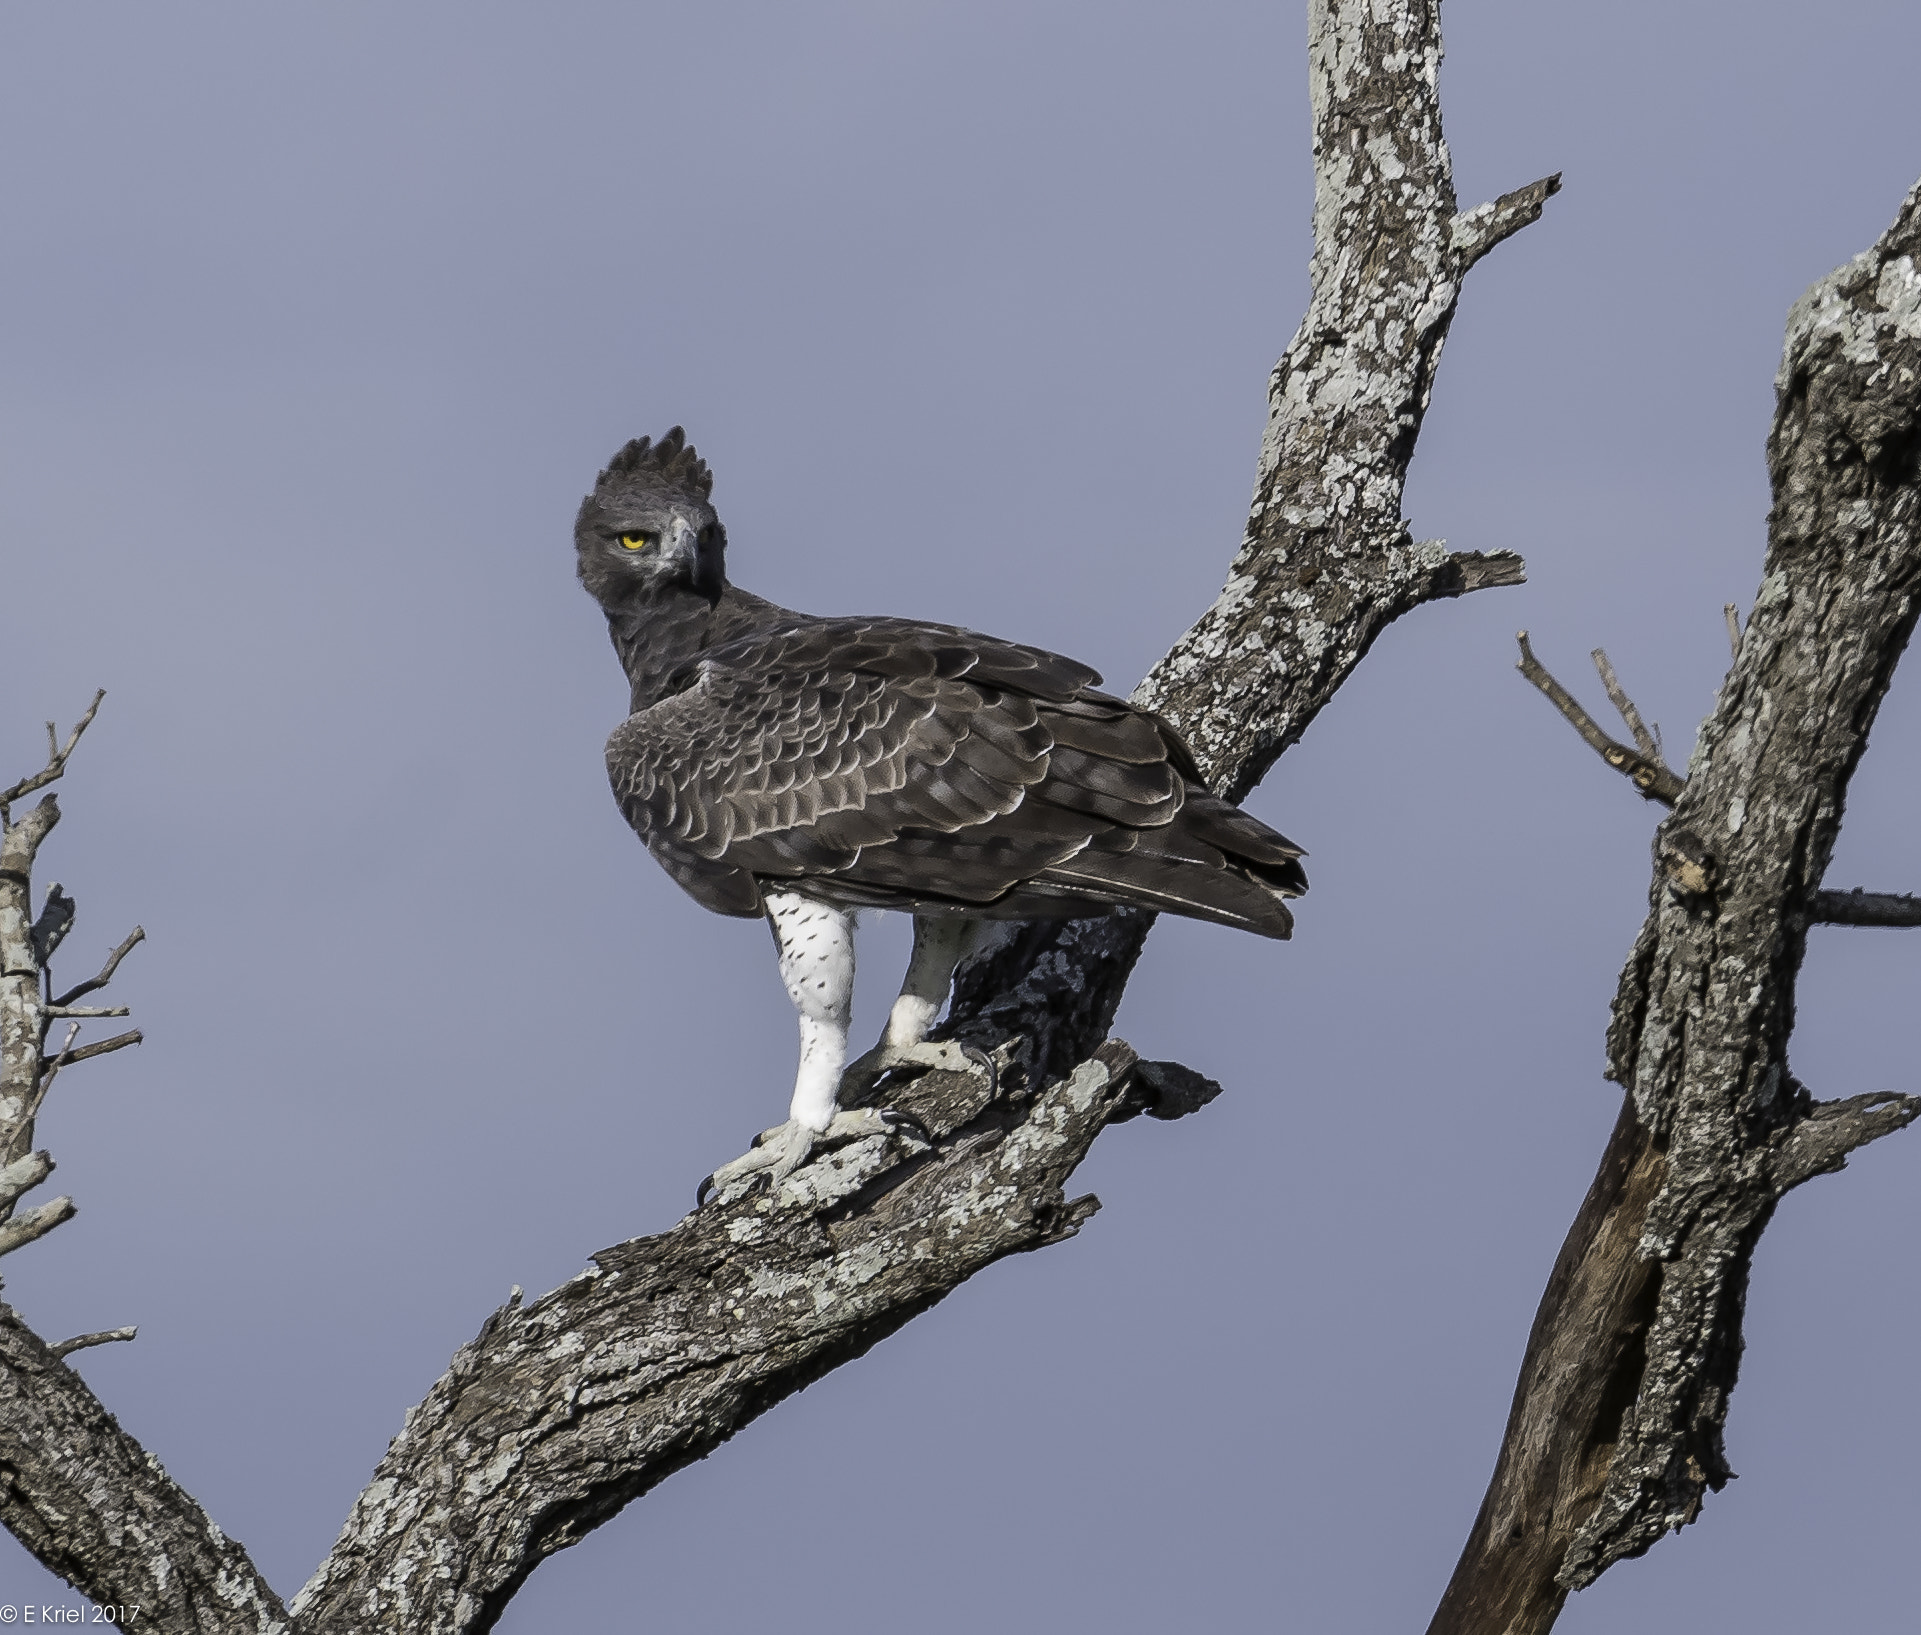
[[563, 1410], [1615, 1434]]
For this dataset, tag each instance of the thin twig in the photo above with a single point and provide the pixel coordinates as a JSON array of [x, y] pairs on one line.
[[80, 1342], [1653, 779], [52, 1065], [57, 756], [1858, 907], [101, 1047], [88, 1011], [94, 984], [1734, 629], [1644, 740], [50, 1070]]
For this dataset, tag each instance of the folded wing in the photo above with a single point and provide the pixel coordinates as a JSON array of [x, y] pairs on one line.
[[895, 764]]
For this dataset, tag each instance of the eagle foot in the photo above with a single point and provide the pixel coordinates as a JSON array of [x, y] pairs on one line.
[[937, 1056], [778, 1152]]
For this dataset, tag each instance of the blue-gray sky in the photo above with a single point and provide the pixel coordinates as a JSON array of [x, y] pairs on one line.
[[317, 322]]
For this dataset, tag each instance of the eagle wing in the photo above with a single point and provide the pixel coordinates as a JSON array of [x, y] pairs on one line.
[[891, 763]]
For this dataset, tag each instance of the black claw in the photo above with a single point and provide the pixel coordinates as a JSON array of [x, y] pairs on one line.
[[700, 1192], [981, 1059]]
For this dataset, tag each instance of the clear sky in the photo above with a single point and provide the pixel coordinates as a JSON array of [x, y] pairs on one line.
[[319, 320]]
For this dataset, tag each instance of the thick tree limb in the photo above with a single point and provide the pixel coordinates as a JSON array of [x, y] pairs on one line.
[[1327, 562], [98, 1510], [563, 1411], [1616, 1431], [23, 1017]]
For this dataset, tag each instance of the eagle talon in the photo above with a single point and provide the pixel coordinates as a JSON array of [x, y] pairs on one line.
[[943, 1056], [778, 1152]]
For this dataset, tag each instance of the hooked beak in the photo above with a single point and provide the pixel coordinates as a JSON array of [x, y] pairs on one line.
[[701, 564]]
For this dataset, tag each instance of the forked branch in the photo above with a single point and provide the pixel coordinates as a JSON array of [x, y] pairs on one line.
[[1642, 765], [58, 755], [94, 984]]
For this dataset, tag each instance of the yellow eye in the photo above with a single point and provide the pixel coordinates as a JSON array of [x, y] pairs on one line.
[[635, 541]]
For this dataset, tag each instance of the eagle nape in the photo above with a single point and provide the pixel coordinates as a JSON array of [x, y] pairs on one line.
[[801, 768]]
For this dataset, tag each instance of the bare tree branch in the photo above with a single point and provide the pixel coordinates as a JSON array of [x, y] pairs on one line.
[[100, 1047], [24, 1174], [94, 984], [23, 1020], [81, 1342], [1475, 232], [24, 1228], [1624, 706], [1820, 1143], [57, 757], [1646, 771], [562, 1411], [1616, 1431], [97, 1509], [1858, 907]]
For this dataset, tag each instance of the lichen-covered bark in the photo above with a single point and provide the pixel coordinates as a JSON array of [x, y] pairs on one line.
[[23, 1011], [1701, 1023], [85, 1498], [1616, 1431], [1327, 561], [563, 1411]]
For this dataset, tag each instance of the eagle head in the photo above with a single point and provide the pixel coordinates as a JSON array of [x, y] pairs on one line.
[[648, 527]]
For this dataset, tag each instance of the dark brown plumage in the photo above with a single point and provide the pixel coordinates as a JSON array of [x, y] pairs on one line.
[[877, 762]]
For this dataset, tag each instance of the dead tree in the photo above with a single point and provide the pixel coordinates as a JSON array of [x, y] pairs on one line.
[[563, 1410]]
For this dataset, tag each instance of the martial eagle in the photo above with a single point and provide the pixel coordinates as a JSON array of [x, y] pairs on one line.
[[800, 768]]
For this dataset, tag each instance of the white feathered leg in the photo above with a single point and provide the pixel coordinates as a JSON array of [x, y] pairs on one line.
[[816, 943], [941, 942]]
